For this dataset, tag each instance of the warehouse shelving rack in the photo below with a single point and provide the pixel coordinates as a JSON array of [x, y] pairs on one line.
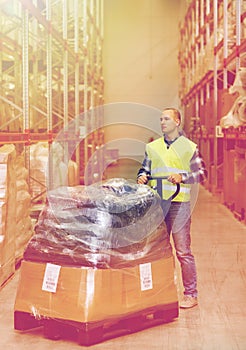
[[51, 75], [212, 49]]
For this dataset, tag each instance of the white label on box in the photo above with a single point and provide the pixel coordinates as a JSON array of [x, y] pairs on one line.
[[145, 276], [51, 276]]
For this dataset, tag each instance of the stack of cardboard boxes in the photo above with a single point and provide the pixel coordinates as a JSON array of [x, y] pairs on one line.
[[8, 212], [15, 222]]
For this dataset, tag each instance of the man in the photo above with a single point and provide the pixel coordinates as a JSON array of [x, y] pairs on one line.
[[178, 158]]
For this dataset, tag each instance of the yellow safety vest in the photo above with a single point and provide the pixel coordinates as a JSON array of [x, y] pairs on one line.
[[165, 161]]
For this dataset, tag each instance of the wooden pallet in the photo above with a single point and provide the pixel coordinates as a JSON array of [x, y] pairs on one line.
[[90, 333]]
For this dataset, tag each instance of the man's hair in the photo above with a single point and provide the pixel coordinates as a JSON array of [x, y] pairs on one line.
[[176, 112]]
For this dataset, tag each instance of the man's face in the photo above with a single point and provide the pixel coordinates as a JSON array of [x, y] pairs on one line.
[[168, 122]]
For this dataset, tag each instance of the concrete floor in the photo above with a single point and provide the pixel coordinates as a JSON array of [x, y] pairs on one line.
[[218, 322]]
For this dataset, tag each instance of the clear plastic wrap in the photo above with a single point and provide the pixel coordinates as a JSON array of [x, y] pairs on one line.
[[112, 224]]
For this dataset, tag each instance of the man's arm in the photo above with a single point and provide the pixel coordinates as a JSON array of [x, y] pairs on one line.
[[198, 173], [144, 171]]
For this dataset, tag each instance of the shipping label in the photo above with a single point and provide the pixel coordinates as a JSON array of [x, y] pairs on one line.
[[145, 276], [51, 277]]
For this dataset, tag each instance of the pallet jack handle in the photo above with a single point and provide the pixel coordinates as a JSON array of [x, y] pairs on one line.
[[159, 186]]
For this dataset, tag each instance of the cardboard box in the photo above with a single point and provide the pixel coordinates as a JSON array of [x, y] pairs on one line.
[[7, 212], [87, 294]]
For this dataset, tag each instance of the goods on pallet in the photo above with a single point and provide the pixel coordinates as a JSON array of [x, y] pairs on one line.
[[100, 264], [61, 174], [38, 168], [110, 225], [237, 115], [234, 126], [15, 200], [239, 84], [73, 173], [24, 229], [7, 211]]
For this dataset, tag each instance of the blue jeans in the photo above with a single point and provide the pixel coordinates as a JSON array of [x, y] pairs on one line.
[[178, 221]]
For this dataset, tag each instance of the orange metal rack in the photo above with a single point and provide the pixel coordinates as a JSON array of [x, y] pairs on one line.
[[212, 50]]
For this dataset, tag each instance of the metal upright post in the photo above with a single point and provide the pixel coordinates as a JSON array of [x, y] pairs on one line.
[[76, 51], [215, 108], [101, 19], [65, 79], [25, 82], [35, 72], [49, 92], [65, 66], [192, 52], [197, 52], [98, 47], [85, 44], [49, 68], [1, 58], [207, 22], [238, 32], [225, 46], [202, 38], [207, 40], [101, 84], [92, 103], [215, 56], [76, 75]]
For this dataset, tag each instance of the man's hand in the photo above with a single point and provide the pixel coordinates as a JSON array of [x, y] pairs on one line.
[[175, 178], [142, 180]]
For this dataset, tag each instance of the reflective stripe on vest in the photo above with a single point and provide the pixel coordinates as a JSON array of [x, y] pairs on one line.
[[165, 161]]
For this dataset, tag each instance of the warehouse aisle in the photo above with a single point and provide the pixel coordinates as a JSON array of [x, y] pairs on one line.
[[219, 245]]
